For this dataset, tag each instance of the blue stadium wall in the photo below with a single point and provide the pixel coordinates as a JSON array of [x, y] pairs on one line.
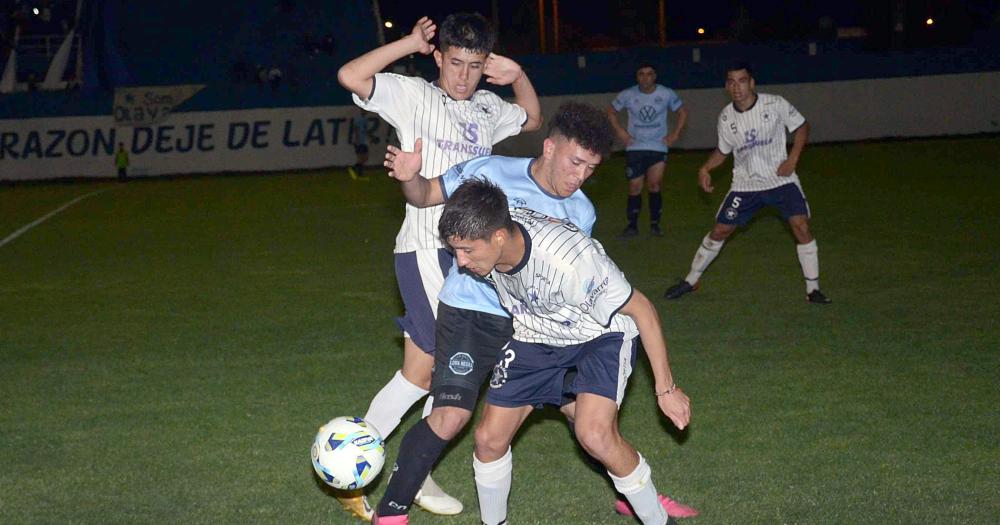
[[847, 92]]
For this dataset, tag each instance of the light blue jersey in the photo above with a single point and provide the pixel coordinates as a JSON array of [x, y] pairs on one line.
[[647, 115], [513, 176]]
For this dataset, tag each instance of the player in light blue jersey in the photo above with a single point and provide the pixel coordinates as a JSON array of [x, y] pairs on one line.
[[472, 327], [647, 142]]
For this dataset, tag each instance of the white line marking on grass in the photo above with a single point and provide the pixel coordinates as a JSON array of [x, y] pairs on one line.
[[48, 215]]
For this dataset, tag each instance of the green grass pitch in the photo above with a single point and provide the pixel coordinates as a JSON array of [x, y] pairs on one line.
[[168, 348]]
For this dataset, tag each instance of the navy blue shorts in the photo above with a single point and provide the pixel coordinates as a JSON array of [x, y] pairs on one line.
[[740, 206], [468, 343], [638, 161], [420, 276], [533, 374]]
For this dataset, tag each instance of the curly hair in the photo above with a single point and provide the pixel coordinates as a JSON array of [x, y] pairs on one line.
[[470, 31], [586, 125]]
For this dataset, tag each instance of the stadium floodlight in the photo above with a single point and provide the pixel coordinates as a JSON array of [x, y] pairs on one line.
[[388, 24], [701, 30], [35, 10], [930, 21]]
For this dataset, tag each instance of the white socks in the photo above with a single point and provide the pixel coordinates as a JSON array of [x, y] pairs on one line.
[[391, 403], [493, 485], [638, 489], [706, 253], [809, 259]]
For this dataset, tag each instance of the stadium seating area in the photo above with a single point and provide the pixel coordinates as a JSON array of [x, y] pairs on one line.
[[284, 53]]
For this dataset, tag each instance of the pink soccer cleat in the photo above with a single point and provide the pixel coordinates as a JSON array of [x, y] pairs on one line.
[[673, 508], [390, 520]]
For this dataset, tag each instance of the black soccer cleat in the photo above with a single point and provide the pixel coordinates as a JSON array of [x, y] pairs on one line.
[[817, 297], [680, 289], [654, 230], [629, 232]]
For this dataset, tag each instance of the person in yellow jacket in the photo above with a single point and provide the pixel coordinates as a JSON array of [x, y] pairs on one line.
[[121, 162]]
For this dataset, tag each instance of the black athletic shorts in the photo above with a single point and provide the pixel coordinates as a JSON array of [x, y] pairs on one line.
[[467, 345], [638, 161]]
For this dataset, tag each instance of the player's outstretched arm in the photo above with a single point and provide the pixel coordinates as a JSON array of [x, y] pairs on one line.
[[673, 402], [404, 166], [357, 75], [619, 130], [502, 71], [799, 139], [704, 173]]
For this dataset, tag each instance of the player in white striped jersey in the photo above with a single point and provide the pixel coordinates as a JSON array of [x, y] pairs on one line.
[[472, 326], [576, 323], [457, 122], [753, 128]]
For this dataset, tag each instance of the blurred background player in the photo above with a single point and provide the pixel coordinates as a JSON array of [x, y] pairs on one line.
[[472, 326], [359, 137], [646, 142], [121, 162], [753, 128], [577, 321], [457, 122]]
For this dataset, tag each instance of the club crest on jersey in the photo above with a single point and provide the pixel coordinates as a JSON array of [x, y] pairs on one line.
[[461, 364], [483, 108], [517, 202]]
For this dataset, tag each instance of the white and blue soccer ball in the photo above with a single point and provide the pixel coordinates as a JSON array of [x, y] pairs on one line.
[[348, 453]]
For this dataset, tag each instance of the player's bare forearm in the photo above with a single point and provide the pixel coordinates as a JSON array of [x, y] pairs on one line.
[[619, 130], [799, 140], [526, 97], [642, 311], [673, 402], [357, 75], [704, 173], [682, 118], [420, 192]]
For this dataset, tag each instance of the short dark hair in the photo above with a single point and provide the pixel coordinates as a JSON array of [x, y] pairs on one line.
[[644, 65], [738, 65], [585, 124], [469, 31], [475, 210]]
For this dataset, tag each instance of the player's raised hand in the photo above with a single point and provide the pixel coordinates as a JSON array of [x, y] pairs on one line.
[[501, 70], [423, 33], [404, 165], [676, 406], [705, 181]]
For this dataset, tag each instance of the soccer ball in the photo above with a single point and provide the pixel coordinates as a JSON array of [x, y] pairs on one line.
[[348, 453]]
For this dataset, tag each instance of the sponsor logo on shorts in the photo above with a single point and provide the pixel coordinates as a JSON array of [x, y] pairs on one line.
[[450, 397], [461, 364], [731, 213]]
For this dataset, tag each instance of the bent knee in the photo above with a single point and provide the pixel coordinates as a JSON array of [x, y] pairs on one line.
[[597, 440], [447, 422]]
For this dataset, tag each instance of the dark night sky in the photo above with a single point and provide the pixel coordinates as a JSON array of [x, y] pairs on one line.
[[622, 19]]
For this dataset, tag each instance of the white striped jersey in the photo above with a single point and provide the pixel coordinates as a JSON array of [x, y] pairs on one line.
[[513, 176], [566, 290], [452, 131], [757, 139]]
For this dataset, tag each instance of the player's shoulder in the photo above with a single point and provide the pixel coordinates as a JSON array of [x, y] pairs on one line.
[[727, 112], [770, 99]]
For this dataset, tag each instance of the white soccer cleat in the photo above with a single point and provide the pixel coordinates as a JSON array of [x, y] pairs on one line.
[[431, 498]]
